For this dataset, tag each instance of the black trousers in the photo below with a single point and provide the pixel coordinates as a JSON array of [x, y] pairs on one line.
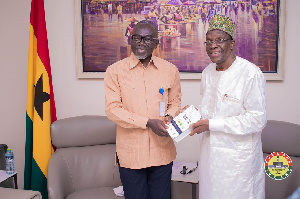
[[148, 183]]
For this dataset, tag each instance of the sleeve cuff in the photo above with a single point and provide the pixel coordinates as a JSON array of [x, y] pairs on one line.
[[143, 122], [216, 125]]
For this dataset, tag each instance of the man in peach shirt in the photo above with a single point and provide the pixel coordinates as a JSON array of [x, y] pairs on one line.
[[141, 92]]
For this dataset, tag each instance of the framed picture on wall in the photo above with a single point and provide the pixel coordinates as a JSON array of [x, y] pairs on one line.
[[103, 32]]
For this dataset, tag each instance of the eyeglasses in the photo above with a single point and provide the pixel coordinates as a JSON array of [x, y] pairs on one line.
[[217, 42], [147, 39]]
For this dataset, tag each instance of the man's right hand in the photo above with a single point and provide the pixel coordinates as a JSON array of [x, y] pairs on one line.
[[158, 127], [200, 127]]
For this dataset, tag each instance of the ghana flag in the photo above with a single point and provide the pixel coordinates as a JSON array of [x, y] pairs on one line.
[[40, 104]]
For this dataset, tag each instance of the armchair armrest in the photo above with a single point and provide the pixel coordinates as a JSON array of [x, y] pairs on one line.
[[9, 193]]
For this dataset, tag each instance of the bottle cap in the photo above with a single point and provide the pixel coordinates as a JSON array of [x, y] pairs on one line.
[[9, 149]]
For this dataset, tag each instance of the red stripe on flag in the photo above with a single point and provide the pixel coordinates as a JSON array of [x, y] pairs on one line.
[[38, 22]]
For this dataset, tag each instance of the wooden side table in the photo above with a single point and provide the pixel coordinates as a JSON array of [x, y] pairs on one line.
[[192, 178], [4, 176]]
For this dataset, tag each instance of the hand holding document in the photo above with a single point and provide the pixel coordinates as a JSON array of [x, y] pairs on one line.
[[179, 127]]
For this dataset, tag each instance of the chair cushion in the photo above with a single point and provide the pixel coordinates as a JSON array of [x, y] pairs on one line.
[[95, 193], [88, 167]]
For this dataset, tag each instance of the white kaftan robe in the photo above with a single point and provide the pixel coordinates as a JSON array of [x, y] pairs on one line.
[[231, 159]]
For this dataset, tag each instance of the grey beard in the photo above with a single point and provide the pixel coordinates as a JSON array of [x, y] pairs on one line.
[[141, 56]]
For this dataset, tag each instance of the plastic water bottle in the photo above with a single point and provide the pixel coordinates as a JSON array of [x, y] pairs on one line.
[[9, 158]]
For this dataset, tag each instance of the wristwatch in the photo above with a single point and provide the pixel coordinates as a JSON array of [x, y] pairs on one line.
[[168, 115]]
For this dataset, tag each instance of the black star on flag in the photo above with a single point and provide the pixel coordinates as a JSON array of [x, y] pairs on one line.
[[40, 97]]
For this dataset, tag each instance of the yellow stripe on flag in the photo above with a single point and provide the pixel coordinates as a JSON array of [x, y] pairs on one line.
[[42, 148], [32, 54]]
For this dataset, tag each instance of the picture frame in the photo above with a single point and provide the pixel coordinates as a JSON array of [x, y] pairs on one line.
[[277, 74]]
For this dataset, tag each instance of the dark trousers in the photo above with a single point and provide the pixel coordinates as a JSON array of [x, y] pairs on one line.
[[147, 183]]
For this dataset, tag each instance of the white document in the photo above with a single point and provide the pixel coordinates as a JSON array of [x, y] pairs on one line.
[[179, 126]]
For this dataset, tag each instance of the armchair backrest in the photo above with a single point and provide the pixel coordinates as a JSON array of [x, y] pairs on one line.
[[280, 136], [86, 130], [84, 156]]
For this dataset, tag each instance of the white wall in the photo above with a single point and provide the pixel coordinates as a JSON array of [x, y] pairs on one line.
[[79, 97]]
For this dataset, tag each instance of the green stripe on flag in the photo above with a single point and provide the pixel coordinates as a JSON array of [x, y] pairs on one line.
[[28, 153], [38, 180], [34, 178]]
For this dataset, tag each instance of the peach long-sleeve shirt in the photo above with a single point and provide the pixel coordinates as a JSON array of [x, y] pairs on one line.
[[131, 98]]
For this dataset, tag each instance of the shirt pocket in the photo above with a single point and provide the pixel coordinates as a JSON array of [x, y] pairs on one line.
[[126, 84], [230, 98], [128, 93], [231, 105], [165, 96]]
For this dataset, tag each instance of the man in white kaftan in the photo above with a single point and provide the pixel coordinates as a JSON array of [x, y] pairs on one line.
[[233, 112], [231, 160]]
